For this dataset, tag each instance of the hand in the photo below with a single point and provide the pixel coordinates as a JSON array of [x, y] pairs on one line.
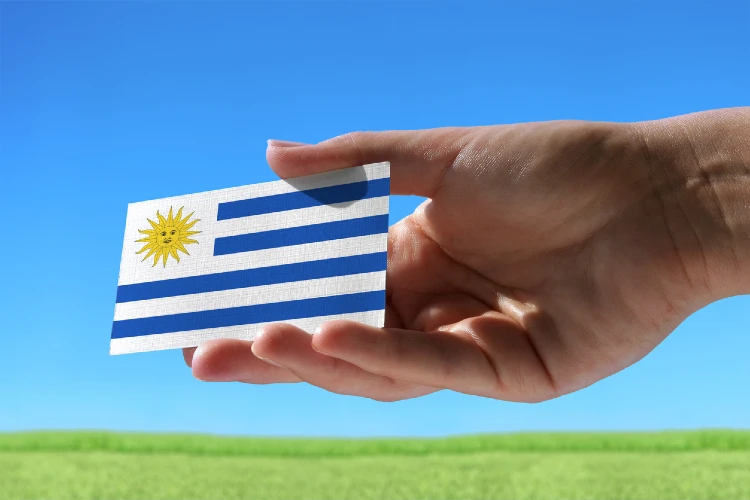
[[547, 257]]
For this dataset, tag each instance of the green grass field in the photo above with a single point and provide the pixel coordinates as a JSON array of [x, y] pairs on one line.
[[89, 465]]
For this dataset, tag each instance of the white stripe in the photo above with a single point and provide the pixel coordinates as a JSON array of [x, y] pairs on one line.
[[334, 178], [323, 287], [300, 217], [246, 332], [134, 271]]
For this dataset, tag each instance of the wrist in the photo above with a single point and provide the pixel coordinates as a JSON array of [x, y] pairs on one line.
[[700, 165]]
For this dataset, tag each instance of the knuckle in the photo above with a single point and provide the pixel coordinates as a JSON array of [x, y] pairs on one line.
[[355, 136]]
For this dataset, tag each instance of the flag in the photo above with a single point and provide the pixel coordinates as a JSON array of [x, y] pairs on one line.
[[221, 264]]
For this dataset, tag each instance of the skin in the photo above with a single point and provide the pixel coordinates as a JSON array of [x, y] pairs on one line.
[[548, 256]]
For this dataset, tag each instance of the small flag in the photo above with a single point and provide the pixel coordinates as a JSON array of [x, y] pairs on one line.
[[221, 264]]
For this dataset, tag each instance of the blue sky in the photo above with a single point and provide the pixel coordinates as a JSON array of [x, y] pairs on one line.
[[102, 104]]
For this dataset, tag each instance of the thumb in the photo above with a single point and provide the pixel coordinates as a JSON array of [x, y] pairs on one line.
[[419, 158]]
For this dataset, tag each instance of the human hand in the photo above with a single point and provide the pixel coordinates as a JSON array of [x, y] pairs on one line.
[[547, 256]]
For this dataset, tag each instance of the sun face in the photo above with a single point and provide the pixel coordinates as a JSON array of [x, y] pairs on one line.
[[167, 237]]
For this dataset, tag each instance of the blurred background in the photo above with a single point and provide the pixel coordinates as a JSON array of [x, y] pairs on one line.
[[107, 103]]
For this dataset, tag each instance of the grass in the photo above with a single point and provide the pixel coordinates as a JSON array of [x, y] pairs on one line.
[[95, 465]]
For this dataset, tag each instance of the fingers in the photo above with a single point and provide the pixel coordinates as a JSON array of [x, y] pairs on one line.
[[187, 355], [291, 347], [486, 357], [441, 359], [419, 158], [230, 360]]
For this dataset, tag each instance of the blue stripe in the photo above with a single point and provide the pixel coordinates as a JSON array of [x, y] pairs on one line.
[[304, 199], [326, 268], [247, 315], [311, 233]]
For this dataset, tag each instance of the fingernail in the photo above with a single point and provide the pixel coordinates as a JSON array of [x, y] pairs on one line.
[[270, 362], [275, 143]]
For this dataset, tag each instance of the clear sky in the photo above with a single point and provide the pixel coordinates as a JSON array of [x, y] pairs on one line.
[[102, 104]]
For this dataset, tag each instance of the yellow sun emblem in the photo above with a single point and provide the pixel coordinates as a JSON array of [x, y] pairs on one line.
[[167, 236]]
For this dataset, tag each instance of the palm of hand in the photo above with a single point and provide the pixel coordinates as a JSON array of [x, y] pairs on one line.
[[541, 263]]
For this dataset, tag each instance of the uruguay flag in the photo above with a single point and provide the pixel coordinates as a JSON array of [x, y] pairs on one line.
[[221, 264]]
